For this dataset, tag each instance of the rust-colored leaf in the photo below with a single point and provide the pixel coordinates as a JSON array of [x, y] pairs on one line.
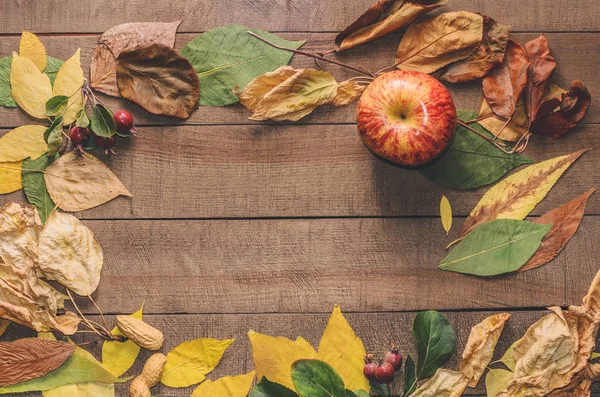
[[540, 70], [565, 221], [503, 86], [489, 54], [31, 358], [158, 79]]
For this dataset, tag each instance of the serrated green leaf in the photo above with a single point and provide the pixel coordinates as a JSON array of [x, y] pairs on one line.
[[35, 186], [435, 342], [266, 388], [56, 105], [228, 57], [102, 122], [496, 247], [6, 98], [410, 377], [82, 120], [471, 161], [315, 378], [496, 380], [54, 136]]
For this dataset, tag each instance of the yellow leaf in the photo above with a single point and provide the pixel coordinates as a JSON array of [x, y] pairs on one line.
[[273, 356], [516, 196], [91, 389], [191, 361], [10, 177], [118, 357], [508, 359], [69, 81], [23, 142], [32, 48], [3, 325], [348, 91], [30, 88], [593, 356], [496, 380], [446, 214], [229, 386], [344, 351], [444, 383]]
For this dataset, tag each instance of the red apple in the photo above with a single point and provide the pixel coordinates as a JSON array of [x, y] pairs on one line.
[[406, 117]]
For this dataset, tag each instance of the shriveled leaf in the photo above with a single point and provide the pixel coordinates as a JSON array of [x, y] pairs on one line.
[[117, 356], [503, 85], [6, 98], [69, 81], [191, 361], [487, 55], [496, 380], [30, 358], [382, 18], [315, 378], [23, 142], [260, 86], [54, 136], [344, 351], [30, 88], [347, 92], [577, 388], [541, 67], [273, 356], [266, 388], [78, 183], [229, 386], [446, 214], [92, 389], [429, 45], [158, 79], [495, 247], [228, 57], [444, 383], [435, 342], [10, 177], [103, 69], [516, 196], [480, 347], [4, 324], [35, 186], [565, 221], [31, 47]]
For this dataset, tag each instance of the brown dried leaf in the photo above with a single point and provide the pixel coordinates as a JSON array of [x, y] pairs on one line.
[[444, 383], [103, 69], [558, 115], [158, 79], [382, 18], [503, 85], [540, 70], [487, 55], [480, 347], [31, 358], [256, 90], [348, 91], [565, 221], [579, 388]]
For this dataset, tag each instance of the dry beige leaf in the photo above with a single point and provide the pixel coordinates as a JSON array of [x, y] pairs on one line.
[[348, 91], [480, 347], [70, 254], [78, 183], [444, 383], [256, 90]]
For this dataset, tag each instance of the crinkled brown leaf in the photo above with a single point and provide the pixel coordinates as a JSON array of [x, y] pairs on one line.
[[487, 55], [382, 18], [429, 45], [103, 69], [444, 383], [348, 91], [503, 85], [480, 347], [565, 221], [158, 79], [579, 388], [558, 115], [31, 358], [540, 70]]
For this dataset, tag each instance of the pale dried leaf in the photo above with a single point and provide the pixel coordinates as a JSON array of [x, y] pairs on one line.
[[68, 82], [30, 88], [260, 86], [444, 383], [4, 324], [446, 214], [348, 91], [31, 47]]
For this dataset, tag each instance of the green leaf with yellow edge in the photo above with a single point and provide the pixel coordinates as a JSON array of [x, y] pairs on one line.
[[30, 88], [22, 142], [229, 386], [344, 351], [315, 378], [190, 362], [3, 325], [31, 47], [117, 356], [69, 81], [10, 177], [496, 380]]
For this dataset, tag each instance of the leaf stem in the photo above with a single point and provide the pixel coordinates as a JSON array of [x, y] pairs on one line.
[[492, 141]]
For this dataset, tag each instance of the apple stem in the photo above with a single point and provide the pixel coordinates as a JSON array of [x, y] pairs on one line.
[[309, 54], [516, 149]]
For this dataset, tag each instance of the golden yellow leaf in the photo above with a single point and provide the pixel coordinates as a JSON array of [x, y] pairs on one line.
[[23, 142], [496, 380], [3, 326], [10, 177], [480, 347], [273, 356], [444, 383], [191, 361], [118, 357], [229, 386], [344, 351], [446, 214], [256, 90], [69, 81], [516, 196], [348, 91], [32, 48], [78, 183], [91, 389], [30, 88]]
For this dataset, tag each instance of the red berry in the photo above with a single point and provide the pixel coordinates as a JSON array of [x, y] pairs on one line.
[[79, 135], [105, 143], [394, 358], [124, 122], [384, 373], [369, 370]]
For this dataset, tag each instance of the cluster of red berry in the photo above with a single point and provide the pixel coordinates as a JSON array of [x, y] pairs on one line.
[[80, 135], [383, 371]]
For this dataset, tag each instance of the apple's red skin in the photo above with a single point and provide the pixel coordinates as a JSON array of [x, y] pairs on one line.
[[406, 117]]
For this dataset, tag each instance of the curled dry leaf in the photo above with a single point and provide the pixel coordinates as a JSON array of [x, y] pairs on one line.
[[540, 70], [444, 383], [503, 85], [228, 386], [23, 142], [4, 324], [78, 183], [30, 88], [382, 18], [158, 79], [30, 358], [431, 44], [565, 221], [487, 55], [103, 69], [31, 47], [69, 81], [348, 91], [69, 254]]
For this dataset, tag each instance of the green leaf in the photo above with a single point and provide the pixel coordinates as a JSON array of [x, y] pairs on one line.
[[228, 57], [35, 186], [435, 342], [496, 380], [379, 388], [54, 136], [56, 105], [410, 377], [314, 378], [471, 161], [496, 247], [359, 393], [508, 358], [102, 122], [266, 388], [82, 120], [53, 65], [6, 99]]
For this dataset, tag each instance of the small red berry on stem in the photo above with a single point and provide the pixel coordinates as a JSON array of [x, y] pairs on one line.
[[384, 373], [370, 367], [105, 143], [393, 357], [79, 137], [124, 122]]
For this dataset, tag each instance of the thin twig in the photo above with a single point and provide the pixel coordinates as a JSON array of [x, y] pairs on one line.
[[89, 324], [485, 137], [99, 311], [497, 134]]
